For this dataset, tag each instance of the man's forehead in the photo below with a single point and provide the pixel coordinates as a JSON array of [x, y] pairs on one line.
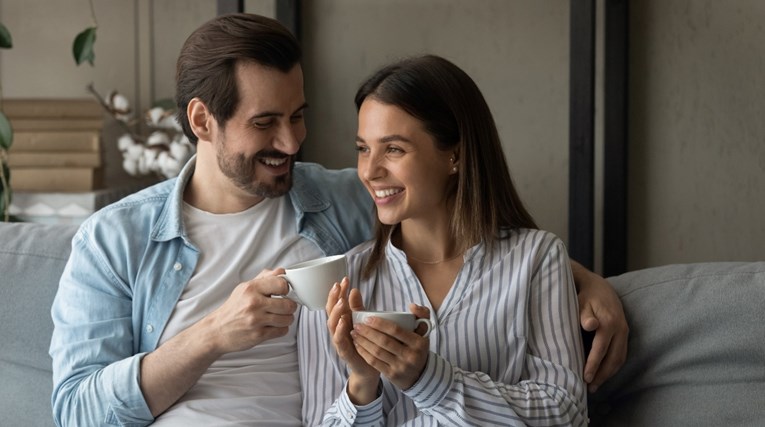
[[268, 88]]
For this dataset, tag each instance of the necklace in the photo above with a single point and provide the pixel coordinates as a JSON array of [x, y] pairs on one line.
[[411, 258]]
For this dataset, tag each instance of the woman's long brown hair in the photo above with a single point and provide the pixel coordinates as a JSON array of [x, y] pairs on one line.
[[453, 110]]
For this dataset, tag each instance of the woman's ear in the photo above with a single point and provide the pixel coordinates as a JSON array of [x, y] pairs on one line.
[[454, 162], [200, 119]]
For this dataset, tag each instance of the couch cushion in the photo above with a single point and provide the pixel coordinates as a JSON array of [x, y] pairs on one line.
[[32, 257], [696, 348]]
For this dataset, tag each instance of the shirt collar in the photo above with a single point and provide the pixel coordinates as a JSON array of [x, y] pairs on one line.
[[170, 223]]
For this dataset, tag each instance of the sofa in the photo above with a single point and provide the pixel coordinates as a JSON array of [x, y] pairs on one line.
[[696, 349]]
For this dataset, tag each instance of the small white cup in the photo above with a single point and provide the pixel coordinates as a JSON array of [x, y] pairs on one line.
[[311, 281], [401, 318]]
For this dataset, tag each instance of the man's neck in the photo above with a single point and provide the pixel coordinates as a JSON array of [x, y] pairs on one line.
[[211, 191]]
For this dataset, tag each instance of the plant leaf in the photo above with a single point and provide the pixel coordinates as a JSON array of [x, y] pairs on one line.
[[6, 41], [6, 132], [83, 46], [5, 192]]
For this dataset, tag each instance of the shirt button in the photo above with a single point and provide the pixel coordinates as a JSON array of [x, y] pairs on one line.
[[149, 328], [177, 266]]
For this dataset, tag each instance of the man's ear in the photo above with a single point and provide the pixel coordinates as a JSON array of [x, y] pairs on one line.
[[200, 119]]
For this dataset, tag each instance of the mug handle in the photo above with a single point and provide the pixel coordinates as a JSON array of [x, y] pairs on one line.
[[291, 294], [428, 323]]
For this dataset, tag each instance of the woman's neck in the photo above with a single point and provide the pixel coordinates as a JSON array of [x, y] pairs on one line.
[[428, 242]]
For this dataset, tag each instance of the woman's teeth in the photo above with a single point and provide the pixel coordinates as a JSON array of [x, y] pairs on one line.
[[387, 193]]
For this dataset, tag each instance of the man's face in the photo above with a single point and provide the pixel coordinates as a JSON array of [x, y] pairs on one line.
[[256, 148]]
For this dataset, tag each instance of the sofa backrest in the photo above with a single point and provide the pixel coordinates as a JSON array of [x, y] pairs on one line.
[[696, 349], [32, 258]]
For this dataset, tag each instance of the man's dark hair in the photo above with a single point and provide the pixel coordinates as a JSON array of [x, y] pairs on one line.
[[206, 67]]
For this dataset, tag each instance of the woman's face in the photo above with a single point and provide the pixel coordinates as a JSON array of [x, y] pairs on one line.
[[399, 164]]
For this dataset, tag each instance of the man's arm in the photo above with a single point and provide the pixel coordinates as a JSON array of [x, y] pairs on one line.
[[600, 310], [249, 317]]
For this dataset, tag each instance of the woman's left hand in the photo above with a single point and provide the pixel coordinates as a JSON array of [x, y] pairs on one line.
[[398, 354]]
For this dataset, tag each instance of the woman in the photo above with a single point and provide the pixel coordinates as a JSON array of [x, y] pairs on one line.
[[454, 243]]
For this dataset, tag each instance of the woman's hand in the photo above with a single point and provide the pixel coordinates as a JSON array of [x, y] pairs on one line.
[[363, 380], [397, 354]]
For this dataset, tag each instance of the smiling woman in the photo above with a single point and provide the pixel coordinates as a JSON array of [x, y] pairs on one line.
[[454, 244]]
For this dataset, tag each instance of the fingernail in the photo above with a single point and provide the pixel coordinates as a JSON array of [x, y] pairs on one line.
[[339, 302]]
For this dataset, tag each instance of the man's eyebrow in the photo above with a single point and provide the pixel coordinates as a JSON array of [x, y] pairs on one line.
[[277, 113]]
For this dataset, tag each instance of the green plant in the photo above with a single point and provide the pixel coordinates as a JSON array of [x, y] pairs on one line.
[[6, 139]]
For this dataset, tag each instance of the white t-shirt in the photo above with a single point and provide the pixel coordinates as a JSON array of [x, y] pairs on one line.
[[259, 386]]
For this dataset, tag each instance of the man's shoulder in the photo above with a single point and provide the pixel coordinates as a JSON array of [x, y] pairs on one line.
[[317, 175], [312, 179], [142, 206]]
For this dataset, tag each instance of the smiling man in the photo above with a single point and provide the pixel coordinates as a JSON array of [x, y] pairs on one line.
[[164, 312]]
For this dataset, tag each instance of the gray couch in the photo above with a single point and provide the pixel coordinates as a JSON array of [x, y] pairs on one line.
[[697, 342]]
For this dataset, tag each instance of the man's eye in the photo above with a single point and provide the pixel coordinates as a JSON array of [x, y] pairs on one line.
[[395, 150], [362, 148], [263, 124], [297, 118]]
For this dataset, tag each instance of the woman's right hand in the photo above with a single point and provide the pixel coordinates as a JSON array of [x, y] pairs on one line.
[[364, 379]]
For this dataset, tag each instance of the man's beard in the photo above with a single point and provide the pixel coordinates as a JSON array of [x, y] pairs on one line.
[[242, 169]]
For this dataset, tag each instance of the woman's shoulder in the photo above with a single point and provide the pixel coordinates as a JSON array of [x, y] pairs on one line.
[[528, 235], [361, 251]]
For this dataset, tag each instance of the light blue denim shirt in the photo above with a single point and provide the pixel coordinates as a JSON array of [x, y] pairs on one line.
[[130, 262]]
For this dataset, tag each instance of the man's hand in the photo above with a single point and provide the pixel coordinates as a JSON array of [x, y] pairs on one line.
[[250, 315], [600, 310], [247, 318]]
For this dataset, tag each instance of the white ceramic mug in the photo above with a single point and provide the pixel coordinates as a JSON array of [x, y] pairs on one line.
[[402, 318], [311, 281]]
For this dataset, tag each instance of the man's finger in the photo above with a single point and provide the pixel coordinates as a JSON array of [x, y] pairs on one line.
[[611, 363], [587, 319], [599, 348]]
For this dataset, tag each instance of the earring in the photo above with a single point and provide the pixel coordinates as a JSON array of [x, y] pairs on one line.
[[454, 169]]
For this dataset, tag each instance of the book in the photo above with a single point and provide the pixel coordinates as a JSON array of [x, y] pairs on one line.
[[52, 108], [55, 179], [53, 159], [72, 140], [51, 124]]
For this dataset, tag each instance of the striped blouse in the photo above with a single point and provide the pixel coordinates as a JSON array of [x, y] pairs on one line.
[[505, 349]]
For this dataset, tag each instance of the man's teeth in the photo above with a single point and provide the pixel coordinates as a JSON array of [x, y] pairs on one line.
[[273, 162], [387, 193]]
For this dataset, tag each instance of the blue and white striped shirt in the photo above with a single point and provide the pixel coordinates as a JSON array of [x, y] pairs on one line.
[[505, 350]]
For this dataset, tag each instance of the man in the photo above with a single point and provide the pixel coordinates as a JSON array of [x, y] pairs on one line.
[[157, 313]]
